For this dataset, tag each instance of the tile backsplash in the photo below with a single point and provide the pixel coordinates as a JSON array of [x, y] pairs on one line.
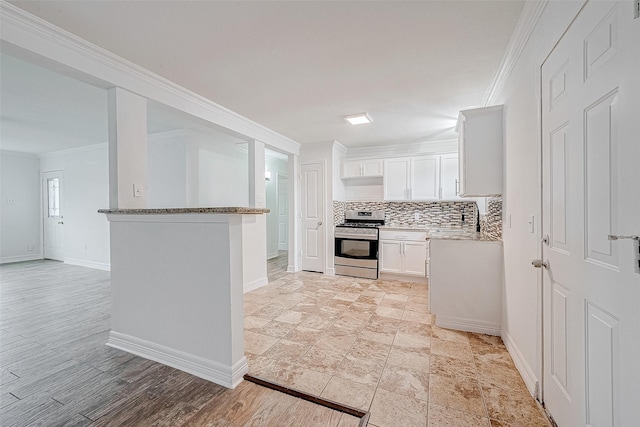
[[430, 214], [458, 214], [491, 221]]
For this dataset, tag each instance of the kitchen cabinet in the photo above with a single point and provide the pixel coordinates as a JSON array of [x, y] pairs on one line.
[[465, 284], [362, 168], [411, 178], [403, 252], [449, 176], [480, 150]]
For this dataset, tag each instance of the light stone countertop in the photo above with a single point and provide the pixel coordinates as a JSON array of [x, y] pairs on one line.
[[167, 211], [432, 233]]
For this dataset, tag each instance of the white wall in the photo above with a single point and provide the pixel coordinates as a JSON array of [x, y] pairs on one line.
[[189, 169], [167, 166], [20, 219], [520, 95], [274, 166], [223, 175], [339, 152], [85, 190]]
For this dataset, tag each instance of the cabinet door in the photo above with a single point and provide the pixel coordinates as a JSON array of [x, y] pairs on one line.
[[449, 176], [424, 178], [396, 179], [390, 256], [415, 258], [461, 157], [371, 167], [480, 147], [351, 169]]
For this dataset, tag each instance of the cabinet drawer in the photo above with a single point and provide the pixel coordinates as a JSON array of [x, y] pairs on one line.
[[403, 235]]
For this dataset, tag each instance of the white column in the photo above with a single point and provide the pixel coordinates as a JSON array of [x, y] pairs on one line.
[[257, 188], [127, 149], [255, 251], [294, 209]]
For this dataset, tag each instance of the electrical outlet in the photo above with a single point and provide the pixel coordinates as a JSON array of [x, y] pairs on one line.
[[416, 216]]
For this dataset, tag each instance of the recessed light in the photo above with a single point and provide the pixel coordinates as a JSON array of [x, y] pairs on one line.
[[359, 119]]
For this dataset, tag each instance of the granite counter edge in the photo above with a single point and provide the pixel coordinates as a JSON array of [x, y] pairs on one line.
[[170, 211]]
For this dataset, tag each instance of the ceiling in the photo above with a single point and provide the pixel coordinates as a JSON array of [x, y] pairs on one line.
[[297, 67]]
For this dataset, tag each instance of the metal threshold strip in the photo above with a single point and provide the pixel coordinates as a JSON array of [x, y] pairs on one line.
[[364, 416]]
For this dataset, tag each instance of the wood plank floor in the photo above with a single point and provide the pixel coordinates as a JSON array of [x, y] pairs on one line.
[[56, 371]]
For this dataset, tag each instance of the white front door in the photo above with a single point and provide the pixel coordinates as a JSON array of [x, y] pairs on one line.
[[313, 227], [283, 213], [591, 189], [53, 219]]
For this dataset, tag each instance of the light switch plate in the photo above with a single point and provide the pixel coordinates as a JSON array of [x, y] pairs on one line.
[[137, 190]]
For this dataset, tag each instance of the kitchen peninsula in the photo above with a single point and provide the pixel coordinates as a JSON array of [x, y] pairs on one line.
[[177, 280]]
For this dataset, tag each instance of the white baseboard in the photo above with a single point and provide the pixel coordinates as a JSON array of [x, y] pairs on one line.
[[227, 376], [90, 264], [291, 269], [20, 258], [251, 286], [529, 377], [468, 325], [272, 255], [330, 272]]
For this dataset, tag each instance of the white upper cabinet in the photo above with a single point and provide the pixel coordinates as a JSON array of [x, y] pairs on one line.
[[397, 179], [449, 176], [421, 178], [480, 150], [361, 168], [424, 178]]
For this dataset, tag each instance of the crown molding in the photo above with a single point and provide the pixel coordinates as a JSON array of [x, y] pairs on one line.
[[525, 26], [33, 35], [18, 154], [74, 150], [401, 150]]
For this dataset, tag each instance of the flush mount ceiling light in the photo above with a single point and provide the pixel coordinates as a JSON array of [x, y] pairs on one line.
[[358, 119]]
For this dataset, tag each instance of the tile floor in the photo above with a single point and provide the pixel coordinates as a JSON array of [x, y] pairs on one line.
[[373, 345]]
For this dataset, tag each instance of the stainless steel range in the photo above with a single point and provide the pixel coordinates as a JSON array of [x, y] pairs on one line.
[[356, 244]]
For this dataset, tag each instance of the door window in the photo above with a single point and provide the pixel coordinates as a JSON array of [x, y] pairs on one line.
[[53, 197]]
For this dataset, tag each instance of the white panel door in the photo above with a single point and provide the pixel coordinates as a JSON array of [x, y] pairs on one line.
[[52, 215], [591, 286], [313, 236], [283, 213], [425, 173]]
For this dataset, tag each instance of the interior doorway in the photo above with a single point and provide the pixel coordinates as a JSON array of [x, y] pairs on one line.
[[312, 209], [52, 215]]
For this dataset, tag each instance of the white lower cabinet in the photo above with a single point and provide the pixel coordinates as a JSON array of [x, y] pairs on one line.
[[403, 252]]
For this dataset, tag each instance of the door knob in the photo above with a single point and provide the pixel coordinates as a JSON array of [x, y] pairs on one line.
[[620, 237], [319, 222], [538, 263]]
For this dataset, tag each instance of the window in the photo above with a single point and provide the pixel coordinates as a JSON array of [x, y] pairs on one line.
[[53, 196]]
